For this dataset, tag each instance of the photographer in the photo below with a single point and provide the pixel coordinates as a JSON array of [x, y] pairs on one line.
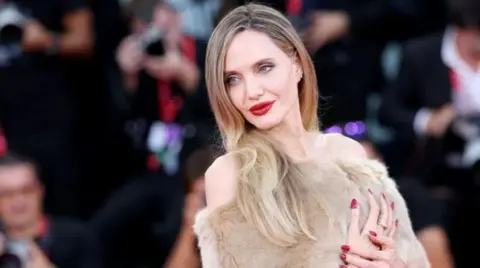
[[165, 79], [37, 107], [435, 104], [33, 239]]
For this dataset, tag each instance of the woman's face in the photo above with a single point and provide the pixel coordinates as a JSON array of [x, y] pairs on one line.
[[261, 79]]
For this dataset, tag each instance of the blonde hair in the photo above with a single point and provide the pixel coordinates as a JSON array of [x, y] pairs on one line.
[[269, 187]]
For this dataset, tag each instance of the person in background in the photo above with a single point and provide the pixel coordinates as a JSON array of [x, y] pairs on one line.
[[37, 108], [185, 252], [168, 92], [432, 104], [197, 17], [157, 212], [45, 241]]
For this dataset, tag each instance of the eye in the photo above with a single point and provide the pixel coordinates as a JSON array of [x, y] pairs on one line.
[[265, 68], [231, 80]]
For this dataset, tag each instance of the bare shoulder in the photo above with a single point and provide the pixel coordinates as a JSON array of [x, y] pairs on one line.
[[221, 181], [344, 145]]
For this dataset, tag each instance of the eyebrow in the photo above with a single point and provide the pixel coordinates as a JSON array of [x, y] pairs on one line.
[[227, 73]]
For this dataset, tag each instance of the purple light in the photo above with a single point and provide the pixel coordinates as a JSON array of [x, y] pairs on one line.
[[362, 128], [174, 133], [334, 129], [351, 129]]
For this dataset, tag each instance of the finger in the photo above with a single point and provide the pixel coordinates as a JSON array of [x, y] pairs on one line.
[[353, 229], [385, 242], [366, 252], [390, 218], [355, 260], [372, 218], [34, 250], [137, 57], [393, 230], [132, 45], [155, 66], [382, 219]]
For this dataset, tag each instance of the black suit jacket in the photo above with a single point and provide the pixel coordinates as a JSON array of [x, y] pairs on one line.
[[423, 82]]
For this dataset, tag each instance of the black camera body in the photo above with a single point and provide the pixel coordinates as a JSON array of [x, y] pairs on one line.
[[12, 21], [151, 41]]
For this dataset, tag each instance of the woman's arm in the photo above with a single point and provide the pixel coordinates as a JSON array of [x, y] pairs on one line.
[[220, 186]]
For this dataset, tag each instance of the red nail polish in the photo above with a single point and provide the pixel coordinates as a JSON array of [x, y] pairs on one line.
[[354, 203], [392, 205], [373, 233], [343, 256], [345, 248]]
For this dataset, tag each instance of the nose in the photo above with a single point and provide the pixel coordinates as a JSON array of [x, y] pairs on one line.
[[253, 89]]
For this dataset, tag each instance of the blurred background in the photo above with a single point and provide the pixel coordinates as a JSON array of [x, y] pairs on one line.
[[106, 130]]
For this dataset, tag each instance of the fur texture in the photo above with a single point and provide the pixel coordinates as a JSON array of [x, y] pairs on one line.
[[226, 240]]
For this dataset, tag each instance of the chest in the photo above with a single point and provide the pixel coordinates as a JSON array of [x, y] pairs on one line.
[[329, 222]]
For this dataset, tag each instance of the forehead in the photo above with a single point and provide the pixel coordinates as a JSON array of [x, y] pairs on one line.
[[249, 47], [16, 175]]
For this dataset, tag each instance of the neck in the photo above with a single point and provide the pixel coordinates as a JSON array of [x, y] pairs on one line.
[[467, 48], [293, 137], [23, 231]]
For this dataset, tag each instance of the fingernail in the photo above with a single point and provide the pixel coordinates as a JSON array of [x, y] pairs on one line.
[[384, 196], [370, 190], [396, 223], [354, 203], [343, 256], [373, 233], [345, 248], [392, 205]]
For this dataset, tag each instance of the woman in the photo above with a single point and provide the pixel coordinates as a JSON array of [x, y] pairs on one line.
[[278, 197]]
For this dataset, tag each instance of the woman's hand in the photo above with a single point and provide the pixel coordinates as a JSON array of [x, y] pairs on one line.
[[374, 245]]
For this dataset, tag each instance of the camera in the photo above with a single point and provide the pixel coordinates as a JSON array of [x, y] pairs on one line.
[[151, 41], [12, 21]]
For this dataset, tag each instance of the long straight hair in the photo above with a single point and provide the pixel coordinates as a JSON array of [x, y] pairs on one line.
[[269, 189]]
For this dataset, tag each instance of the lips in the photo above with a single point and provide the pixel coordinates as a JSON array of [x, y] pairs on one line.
[[261, 108]]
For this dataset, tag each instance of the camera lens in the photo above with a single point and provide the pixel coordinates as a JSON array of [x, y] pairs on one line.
[[10, 261], [11, 34]]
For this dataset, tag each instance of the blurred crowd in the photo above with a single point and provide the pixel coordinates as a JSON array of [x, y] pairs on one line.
[[106, 129]]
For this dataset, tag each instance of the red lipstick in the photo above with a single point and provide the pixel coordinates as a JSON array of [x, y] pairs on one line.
[[262, 108]]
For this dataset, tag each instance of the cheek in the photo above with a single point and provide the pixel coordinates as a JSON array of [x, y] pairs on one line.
[[236, 96], [283, 85]]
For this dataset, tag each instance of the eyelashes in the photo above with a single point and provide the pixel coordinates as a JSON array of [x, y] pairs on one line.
[[262, 69]]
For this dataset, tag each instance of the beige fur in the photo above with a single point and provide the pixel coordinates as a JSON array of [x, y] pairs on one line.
[[226, 240]]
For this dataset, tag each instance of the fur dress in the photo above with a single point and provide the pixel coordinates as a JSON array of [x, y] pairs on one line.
[[226, 240]]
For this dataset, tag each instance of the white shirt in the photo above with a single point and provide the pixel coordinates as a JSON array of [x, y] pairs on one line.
[[466, 97]]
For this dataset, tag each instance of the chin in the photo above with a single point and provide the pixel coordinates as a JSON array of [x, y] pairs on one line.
[[265, 123]]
